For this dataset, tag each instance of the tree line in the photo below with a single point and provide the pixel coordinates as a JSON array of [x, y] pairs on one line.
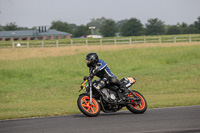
[[110, 28]]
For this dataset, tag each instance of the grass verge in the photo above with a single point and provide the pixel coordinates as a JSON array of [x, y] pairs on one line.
[[47, 86]]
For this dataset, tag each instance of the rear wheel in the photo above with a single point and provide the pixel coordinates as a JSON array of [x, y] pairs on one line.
[[86, 108], [137, 107]]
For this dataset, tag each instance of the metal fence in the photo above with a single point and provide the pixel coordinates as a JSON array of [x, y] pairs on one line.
[[100, 41]]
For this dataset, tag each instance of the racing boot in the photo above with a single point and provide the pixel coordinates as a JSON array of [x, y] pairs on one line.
[[122, 88], [124, 91]]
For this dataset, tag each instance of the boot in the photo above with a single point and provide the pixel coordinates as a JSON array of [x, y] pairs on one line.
[[122, 88]]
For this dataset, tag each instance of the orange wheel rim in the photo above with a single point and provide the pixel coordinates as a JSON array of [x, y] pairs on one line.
[[140, 105], [90, 108]]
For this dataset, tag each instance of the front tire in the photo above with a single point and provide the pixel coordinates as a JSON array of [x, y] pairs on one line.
[[86, 108], [137, 107]]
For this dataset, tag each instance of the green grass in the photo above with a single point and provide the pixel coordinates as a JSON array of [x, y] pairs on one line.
[[34, 87], [103, 41]]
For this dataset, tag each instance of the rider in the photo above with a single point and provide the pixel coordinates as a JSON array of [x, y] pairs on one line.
[[100, 69]]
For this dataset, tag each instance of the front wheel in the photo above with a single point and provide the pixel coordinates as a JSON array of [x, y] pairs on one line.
[[137, 107], [86, 108]]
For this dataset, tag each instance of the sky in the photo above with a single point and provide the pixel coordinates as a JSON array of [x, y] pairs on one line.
[[30, 13]]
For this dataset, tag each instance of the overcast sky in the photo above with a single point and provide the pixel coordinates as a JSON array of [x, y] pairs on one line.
[[29, 13]]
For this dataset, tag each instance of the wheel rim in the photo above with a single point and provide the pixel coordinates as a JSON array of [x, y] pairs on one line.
[[137, 105], [90, 108]]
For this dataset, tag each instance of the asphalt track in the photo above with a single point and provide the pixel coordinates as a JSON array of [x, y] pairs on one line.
[[161, 120]]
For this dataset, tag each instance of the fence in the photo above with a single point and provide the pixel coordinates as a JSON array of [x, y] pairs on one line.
[[101, 41]]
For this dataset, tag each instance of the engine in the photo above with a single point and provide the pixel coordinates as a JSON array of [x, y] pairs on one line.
[[109, 94]]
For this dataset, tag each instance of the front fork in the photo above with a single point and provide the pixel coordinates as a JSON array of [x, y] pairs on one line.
[[90, 92]]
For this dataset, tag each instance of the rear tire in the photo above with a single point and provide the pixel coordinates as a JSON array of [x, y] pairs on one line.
[[137, 107], [84, 106]]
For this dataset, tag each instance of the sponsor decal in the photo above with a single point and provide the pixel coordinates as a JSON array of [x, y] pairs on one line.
[[131, 79]]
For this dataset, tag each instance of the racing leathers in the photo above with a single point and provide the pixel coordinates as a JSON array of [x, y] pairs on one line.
[[102, 71]]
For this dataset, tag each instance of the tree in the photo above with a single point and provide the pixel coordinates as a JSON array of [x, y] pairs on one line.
[[155, 27], [97, 23], [11, 26], [192, 29], [197, 24], [121, 23], [73, 27], [108, 28], [174, 29], [1, 28], [133, 27], [61, 26], [81, 30], [185, 28]]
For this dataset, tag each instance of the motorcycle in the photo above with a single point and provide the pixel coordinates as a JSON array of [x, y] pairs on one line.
[[110, 98]]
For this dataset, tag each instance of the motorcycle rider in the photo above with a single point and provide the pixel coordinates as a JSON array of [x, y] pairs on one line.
[[100, 69]]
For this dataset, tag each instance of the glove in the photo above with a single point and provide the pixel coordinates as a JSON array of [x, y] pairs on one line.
[[85, 77]]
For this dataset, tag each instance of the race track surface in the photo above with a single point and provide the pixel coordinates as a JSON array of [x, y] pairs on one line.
[[161, 120]]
